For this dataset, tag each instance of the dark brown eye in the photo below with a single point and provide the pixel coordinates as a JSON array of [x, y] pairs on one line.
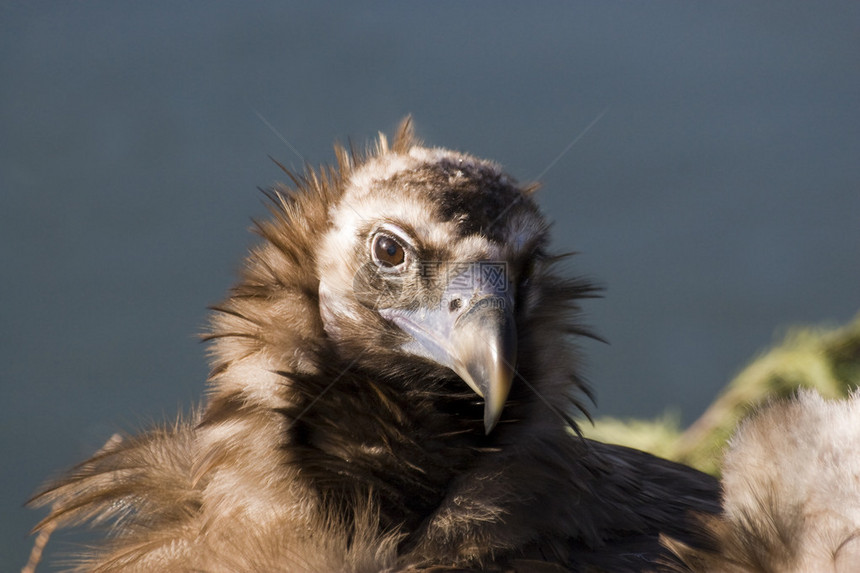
[[387, 252]]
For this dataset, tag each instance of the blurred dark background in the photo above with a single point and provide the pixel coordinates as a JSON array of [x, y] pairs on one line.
[[717, 198]]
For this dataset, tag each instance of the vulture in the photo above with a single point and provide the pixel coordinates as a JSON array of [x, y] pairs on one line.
[[791, 493], [393, 389]]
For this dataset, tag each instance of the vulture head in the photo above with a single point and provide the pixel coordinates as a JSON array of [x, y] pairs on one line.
[[425, 268], [427, 262]]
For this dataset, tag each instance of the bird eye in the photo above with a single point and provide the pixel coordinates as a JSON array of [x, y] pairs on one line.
[[387, 252]]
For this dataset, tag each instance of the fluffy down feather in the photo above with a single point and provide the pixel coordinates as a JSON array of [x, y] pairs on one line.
[[791, 482]]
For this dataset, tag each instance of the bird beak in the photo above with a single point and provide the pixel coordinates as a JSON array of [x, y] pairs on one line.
[[471, 331]]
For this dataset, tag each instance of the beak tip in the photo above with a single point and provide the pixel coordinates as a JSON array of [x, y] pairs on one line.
[[488, 426], [494, 403]]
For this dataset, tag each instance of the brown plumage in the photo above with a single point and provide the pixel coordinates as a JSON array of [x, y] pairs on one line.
[[340, 432], [791, 480]]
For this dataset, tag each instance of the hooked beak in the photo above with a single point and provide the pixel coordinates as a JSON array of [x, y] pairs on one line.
[[472, 332]]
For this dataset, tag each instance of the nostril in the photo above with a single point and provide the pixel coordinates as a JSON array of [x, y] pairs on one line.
[[455, 305]]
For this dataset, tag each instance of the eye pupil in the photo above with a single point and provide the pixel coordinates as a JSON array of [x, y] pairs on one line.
[[387, 252]]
